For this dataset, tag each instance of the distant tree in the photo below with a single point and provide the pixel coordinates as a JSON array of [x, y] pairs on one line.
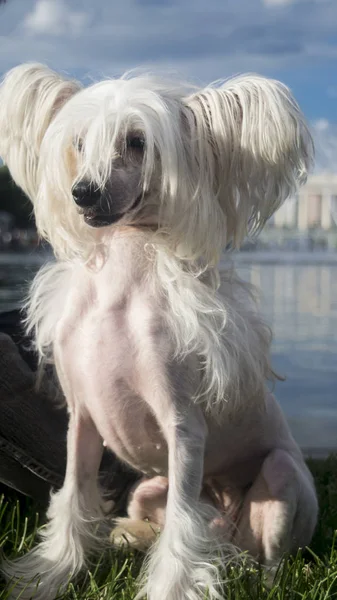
[[13, 200]]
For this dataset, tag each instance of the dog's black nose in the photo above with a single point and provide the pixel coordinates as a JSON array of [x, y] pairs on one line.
[[86, 194]]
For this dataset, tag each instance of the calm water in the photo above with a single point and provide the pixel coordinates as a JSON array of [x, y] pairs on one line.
[[300, 304]]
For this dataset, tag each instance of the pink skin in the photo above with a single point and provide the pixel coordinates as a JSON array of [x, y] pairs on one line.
[[113, 349]]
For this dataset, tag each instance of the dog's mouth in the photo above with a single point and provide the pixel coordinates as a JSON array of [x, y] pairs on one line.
[[97, 219]]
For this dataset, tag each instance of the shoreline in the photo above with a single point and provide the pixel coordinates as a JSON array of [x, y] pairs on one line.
[[270, 257], [319, 453], [32, 257]]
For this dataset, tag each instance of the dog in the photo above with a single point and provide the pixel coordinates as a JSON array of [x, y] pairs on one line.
[[139, 184]]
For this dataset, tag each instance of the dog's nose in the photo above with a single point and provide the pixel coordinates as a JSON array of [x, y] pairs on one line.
[[86, 193]]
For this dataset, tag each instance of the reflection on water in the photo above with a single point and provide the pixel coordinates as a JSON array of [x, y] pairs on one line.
[[16, 273], [300, 304]]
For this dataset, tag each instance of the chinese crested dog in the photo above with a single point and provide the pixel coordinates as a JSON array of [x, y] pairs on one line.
[[139, 184]]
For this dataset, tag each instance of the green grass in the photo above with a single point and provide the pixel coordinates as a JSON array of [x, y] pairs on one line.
[[311, 575]]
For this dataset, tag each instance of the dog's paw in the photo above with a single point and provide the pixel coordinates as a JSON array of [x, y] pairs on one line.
[[270, 573], [134, 533]]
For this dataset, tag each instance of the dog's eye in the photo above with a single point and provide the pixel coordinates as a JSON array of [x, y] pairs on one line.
[[78, 144], [136, 142]]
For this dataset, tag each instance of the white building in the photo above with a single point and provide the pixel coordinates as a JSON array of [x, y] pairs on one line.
[[314, 207]]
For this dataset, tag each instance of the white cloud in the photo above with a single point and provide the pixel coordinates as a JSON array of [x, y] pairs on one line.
[[53, 17], [205, 41], [321, 125], [289, 2], [278, 2]]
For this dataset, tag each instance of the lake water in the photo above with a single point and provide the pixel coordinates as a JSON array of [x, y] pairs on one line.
[[300, 304]]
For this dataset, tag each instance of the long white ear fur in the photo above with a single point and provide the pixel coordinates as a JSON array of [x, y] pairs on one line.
[[254, 148], [30, 95]]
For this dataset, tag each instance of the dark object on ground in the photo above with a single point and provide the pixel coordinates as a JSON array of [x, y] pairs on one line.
[[33, 426]]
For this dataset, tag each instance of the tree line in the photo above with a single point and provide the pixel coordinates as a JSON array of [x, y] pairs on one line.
[[14, 201]]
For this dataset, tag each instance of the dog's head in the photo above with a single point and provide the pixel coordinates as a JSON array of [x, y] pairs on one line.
[[204, 166]]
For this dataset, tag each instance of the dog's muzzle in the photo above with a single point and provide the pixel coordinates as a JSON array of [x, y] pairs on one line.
[[91, 201], [87, 197]]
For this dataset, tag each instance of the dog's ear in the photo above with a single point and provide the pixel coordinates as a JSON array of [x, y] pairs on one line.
[[253, 146], [30, 96]]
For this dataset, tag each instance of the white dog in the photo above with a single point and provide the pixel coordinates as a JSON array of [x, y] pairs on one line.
[[139, 184]]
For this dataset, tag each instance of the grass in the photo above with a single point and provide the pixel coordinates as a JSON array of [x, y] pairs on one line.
[[310, 575]]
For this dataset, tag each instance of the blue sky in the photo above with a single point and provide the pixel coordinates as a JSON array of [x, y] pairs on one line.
[[292, 40]]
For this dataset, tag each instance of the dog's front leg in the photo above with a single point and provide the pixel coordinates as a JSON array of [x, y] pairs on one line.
[[180, 563], [73, 515]]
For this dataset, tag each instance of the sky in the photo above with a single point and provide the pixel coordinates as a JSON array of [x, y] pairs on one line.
[[202, 40]]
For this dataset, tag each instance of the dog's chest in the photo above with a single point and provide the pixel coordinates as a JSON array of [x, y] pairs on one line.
[[106, 353]]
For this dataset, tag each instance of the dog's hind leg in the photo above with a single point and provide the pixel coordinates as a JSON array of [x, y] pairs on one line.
[[279, 511], [73, 515]]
